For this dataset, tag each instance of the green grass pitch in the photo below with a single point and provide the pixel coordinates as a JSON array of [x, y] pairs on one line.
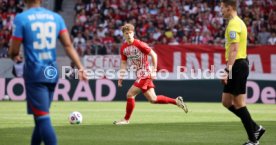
[[205, 124]]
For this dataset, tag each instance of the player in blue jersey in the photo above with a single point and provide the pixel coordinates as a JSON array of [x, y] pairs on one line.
[[38, 29]]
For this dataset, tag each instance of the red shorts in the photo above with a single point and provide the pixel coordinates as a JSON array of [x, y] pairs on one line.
[[144, 84]]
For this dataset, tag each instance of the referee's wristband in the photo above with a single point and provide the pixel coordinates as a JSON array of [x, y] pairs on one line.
[[226, 70]]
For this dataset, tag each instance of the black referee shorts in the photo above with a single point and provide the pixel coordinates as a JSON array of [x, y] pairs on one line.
[[237, 84]]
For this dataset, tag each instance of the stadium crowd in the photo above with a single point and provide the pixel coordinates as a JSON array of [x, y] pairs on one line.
[[97, 23], [8, 10], [167, 22]]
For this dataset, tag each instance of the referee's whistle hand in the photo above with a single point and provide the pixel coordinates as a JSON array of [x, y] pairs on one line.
[[224, 79]]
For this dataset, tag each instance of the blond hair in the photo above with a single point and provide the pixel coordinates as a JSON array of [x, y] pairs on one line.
[[127, 27]]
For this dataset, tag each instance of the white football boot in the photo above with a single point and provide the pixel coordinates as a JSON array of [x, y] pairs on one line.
[[180, 103], [121, 122]]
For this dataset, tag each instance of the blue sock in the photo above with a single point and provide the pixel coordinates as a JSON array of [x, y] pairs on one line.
[[36, 138], [46, 130]]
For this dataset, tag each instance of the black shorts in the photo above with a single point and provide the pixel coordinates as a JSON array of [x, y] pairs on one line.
[[237, 84]]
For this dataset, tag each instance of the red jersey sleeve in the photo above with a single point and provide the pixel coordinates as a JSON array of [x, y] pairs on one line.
[[144, 47], [123, 57]]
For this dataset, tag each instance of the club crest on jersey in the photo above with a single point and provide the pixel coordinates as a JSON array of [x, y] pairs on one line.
[[132, 52], [232, 34]]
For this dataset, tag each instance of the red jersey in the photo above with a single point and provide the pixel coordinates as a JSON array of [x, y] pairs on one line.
[[137, 54]]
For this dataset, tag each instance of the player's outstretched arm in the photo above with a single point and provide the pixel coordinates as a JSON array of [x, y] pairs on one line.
[[154, 63], [14, 49], [123, 67], [71, 52]]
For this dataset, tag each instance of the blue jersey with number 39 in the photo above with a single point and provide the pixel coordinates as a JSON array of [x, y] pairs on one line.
[[39, 29]]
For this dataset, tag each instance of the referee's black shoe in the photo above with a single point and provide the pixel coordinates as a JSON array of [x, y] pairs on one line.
[[251, 143], [259, 133]]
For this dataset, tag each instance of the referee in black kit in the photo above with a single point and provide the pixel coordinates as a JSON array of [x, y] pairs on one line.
[[234, 92]]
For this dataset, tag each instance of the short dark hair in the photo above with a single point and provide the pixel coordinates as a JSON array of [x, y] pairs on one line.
[[232, 3]]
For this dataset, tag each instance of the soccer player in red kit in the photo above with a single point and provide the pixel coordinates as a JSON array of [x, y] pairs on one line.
[[137, 53]]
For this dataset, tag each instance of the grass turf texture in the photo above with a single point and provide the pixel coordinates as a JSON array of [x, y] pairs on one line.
[[205, 124]]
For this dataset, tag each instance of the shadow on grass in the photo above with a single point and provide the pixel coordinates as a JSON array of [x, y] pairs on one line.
[[218, 133]]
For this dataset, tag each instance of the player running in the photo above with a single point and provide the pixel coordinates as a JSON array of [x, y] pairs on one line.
[[38, 29], [137, 53]]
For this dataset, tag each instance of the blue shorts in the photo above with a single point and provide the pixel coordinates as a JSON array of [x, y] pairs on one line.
[[39, 97]]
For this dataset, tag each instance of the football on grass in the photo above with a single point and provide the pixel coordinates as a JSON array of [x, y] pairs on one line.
[[75, 118]]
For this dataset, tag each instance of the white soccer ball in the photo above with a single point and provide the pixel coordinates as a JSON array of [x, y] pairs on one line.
[[75, 118]]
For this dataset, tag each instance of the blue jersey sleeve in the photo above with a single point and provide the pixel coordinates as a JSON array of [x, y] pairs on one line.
[[18, 28], [62, 25]]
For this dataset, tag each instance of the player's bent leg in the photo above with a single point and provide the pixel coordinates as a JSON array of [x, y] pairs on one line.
[[131, 94], [227, 100], [240, 103], [241, 110], [234, 104], [161, 99], [151, 96]]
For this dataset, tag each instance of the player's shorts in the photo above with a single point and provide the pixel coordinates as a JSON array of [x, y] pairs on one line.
[[240, 72], [39, 97], [144, 84]]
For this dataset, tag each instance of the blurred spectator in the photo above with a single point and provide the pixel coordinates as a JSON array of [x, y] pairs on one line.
[[80, 49], [156, 34], [173, 42], [70, 73], [251, 38], [81, 17], [77, 28], [87, 35], [58, 5], [79, 40], [79, 6], [198, 38], [3, 48], [101, 31], [263, 36], [207, 38], [272, 39], [89, 49], [18, 67]]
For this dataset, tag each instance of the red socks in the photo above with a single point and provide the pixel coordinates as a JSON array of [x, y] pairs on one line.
[[165, 100], [160, 100], [129, 107]]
